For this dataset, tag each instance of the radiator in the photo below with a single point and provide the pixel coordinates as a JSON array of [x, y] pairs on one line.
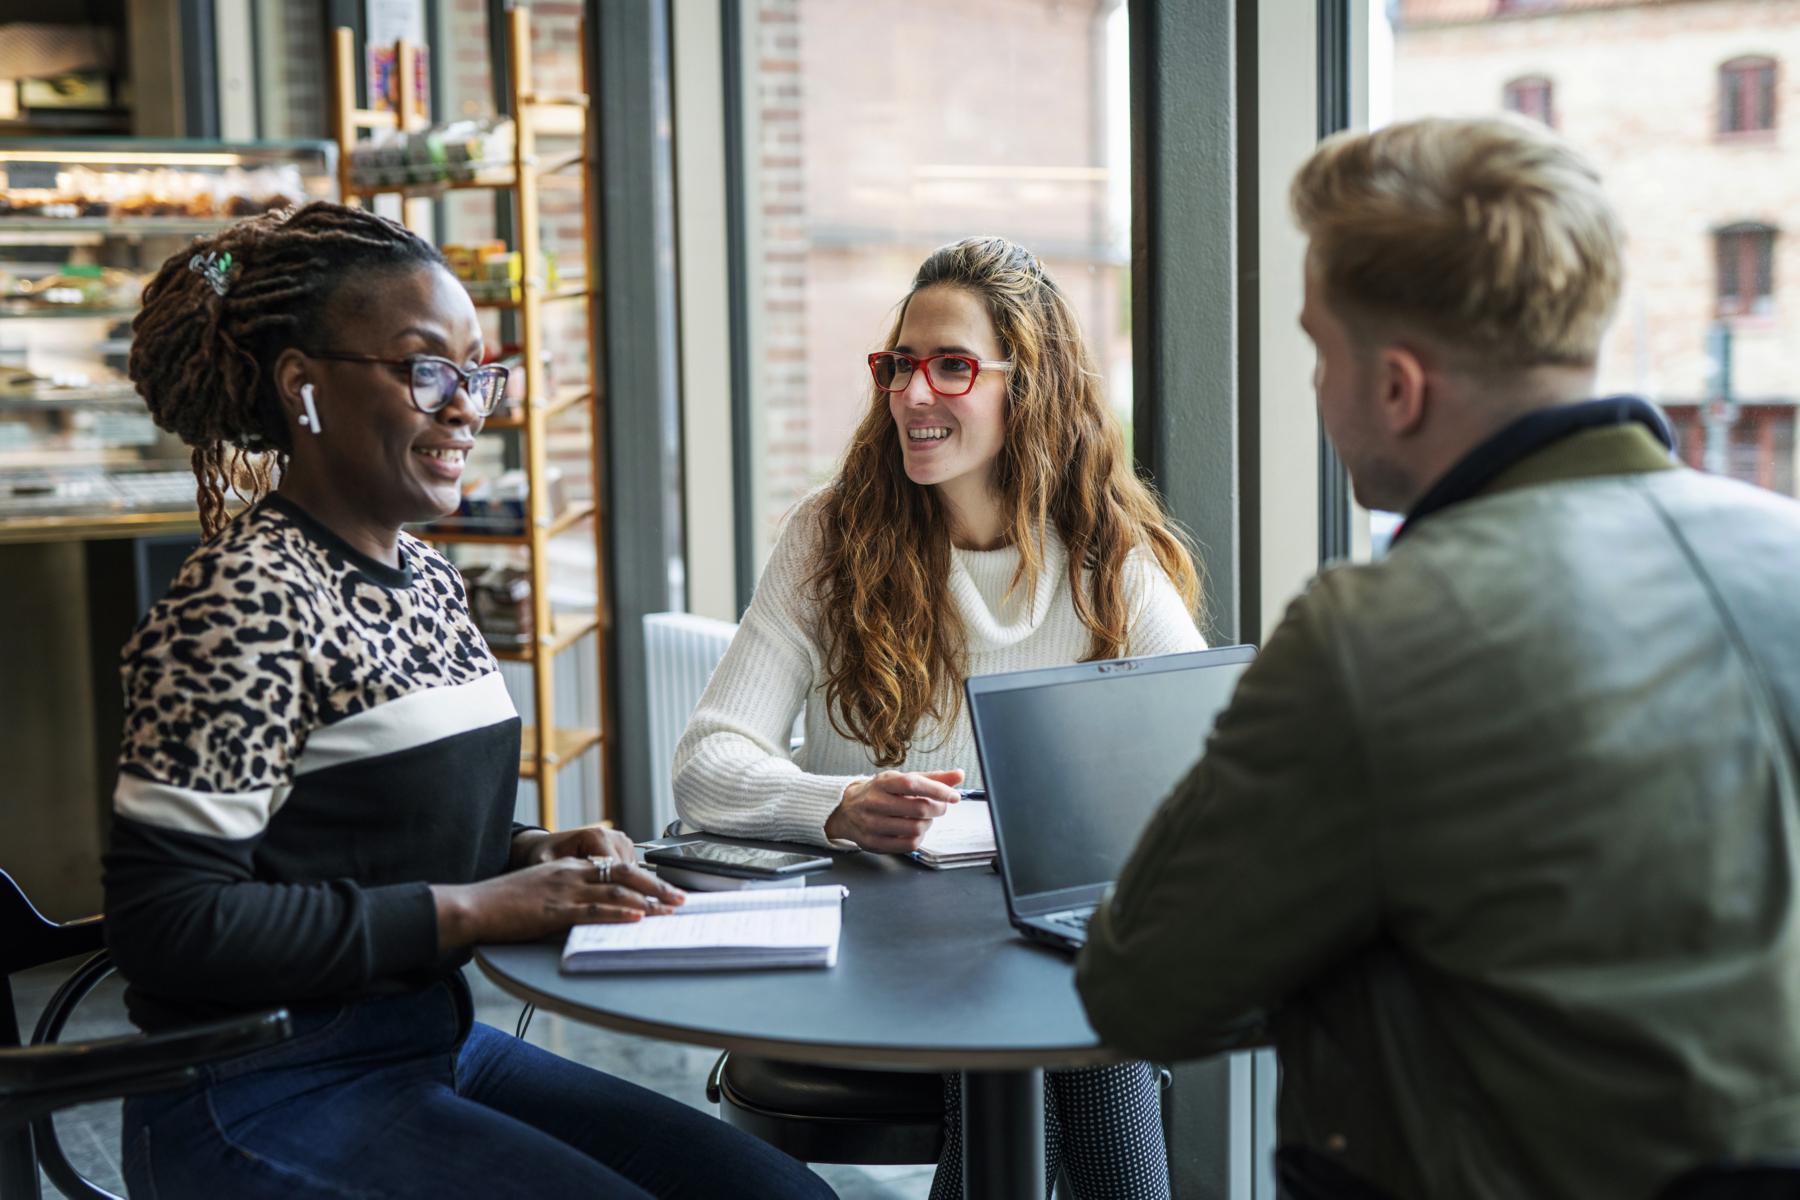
[[680, 652]]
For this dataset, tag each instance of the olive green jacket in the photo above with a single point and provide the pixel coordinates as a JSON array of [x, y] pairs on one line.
[[1499, 843]]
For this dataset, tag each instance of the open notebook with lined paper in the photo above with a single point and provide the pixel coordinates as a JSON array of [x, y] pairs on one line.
[[718, 931]]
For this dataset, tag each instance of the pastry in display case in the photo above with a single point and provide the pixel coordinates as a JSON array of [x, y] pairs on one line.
[[84, 223], [130, 181]]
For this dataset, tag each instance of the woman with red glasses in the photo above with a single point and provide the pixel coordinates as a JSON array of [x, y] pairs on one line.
[[986, 519]]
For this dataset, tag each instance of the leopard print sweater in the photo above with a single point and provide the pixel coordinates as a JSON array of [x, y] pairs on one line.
[[312, 739], [271, 632]]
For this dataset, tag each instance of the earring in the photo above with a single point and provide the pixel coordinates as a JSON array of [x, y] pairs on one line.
[[311, 418]]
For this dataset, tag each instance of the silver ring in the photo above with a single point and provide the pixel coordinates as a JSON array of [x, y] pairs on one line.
[[605, 865]]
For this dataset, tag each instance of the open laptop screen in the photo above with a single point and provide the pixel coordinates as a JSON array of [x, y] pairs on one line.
[[1077, 759]]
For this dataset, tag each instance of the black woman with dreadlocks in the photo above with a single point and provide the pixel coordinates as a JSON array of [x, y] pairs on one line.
[[320, 760]]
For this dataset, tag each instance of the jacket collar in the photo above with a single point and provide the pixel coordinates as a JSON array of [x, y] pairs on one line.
[[1527, 436]]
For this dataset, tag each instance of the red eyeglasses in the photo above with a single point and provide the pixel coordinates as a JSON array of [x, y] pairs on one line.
[[945, 374]]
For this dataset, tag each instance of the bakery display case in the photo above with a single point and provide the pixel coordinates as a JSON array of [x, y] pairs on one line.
[[83, 225], [147, 185]]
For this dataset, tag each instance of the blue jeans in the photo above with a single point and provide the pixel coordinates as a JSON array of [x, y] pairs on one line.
[[406, 1096]]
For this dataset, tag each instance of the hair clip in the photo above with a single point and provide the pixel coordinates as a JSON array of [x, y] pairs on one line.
[[215, 268]]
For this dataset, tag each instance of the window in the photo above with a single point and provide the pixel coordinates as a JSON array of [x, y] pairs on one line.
[[1758, 442], [1530, 97], [1747, 96], [1746, 270], [875, 133]]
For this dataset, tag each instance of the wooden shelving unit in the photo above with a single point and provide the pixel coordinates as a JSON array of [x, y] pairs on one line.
[[534, 114]]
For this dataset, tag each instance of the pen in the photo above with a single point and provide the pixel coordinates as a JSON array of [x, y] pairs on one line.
[[974, 793]]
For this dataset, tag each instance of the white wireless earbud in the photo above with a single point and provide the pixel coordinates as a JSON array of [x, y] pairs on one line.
[[311, 419]]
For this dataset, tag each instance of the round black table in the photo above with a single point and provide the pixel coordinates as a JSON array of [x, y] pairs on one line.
[[930, 977]]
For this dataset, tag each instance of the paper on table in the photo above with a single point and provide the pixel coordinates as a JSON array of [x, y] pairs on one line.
[[718, 931], [965, 833], [785, 928]]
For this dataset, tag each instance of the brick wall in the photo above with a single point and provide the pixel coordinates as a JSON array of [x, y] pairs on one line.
[[299, 65], [781, 259], [1636, 88]]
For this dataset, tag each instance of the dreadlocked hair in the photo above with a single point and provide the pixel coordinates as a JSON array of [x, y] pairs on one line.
[[894, 639], [204, 360]]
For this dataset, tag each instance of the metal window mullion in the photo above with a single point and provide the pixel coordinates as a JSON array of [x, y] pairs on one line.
[[1334, 114], [633, 179], [738, 250], [1187, 392]]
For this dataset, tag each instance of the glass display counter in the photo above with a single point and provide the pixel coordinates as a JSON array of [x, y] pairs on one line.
[[84, 223]]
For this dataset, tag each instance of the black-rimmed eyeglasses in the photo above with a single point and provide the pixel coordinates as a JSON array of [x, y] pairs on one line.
[[435, 380]]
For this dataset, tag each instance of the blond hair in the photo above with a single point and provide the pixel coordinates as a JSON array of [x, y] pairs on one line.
[[1491, 233]]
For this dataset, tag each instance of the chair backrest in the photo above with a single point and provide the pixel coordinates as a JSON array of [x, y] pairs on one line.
[[30, 939], [680, 652]]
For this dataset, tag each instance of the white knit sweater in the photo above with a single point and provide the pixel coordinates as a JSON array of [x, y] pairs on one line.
[[733, 773]]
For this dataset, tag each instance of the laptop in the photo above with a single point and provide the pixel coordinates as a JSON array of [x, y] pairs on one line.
[[1077, 760]]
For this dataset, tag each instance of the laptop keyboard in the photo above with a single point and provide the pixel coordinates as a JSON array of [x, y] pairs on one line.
[[1076, 920]]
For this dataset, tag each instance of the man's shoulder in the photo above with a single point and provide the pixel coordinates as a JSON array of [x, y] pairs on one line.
[[1582, 532], [1556, 566], [1577, 506]]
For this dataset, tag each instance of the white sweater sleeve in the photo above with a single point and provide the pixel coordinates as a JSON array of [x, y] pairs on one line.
[[1161, 623], [732, 772]]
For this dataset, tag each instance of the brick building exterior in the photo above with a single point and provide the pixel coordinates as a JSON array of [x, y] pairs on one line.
[[1665, 98]]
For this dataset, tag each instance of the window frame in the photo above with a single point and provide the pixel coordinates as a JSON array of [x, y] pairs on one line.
[[1512, 93], [1759, 266], [1741, 103]]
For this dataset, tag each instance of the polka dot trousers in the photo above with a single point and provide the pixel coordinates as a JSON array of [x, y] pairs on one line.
[[1102, 1128]]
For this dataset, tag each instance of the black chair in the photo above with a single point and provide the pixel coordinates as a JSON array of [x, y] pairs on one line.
[[1764, 1177], [832, 1114], [39, 1079]]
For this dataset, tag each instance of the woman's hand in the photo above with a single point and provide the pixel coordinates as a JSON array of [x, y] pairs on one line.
[[891, 812], [532, 846], [553, 885]]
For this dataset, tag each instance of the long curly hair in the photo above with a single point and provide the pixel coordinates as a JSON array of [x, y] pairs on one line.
[[893, 639], [203, 359]]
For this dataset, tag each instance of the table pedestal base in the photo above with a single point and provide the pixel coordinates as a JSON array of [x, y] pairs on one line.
[[1003, 1135]]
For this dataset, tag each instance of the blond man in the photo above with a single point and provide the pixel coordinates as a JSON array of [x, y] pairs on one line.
[[1499, 840]]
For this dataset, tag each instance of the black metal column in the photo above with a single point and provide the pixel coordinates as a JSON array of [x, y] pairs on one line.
[[1185, 281], [349, 14], [512, 442], [640, 371], [737, 242], [1003, 1135], [1334, 114], [199, 69]]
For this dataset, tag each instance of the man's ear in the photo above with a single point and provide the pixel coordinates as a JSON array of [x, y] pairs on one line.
[[1404, 389]]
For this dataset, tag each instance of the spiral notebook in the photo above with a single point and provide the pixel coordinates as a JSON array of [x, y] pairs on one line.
[[718, 931]]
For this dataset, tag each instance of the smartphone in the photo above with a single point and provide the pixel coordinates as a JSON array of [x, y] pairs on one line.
[[743, 862]]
